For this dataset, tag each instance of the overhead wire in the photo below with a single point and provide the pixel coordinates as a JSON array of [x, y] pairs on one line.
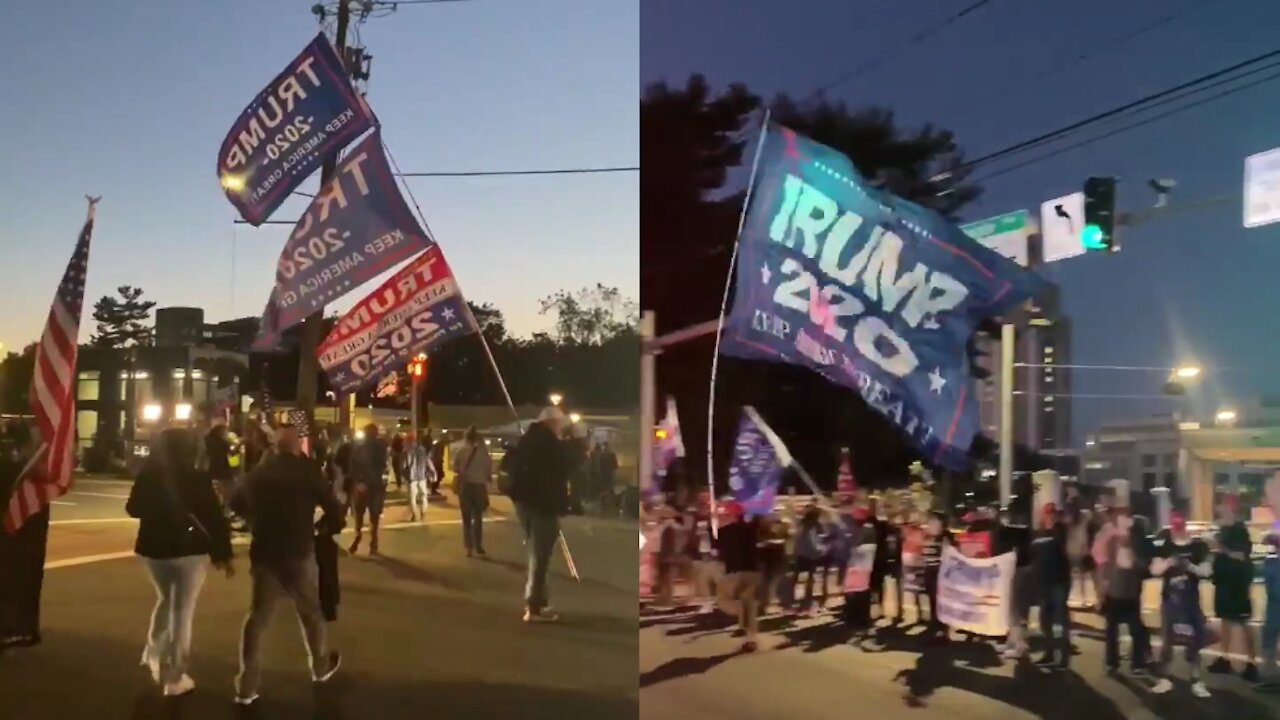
[[879, 60]]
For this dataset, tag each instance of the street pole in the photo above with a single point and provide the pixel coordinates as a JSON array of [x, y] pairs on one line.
[[648, 398], [313, 326], [1006, 413], [415, 389]]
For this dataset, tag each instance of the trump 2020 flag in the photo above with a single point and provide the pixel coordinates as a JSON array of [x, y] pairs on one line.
[[872, 291], [759, 461], [357, 227], [305, 116]]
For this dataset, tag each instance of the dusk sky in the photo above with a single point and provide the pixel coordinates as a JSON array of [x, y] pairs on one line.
[[1194, 286], [131, 100]]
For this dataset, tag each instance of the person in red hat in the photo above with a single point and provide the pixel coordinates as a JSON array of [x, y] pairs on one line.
[[1232, 582], [1049, 557], [737, 548]]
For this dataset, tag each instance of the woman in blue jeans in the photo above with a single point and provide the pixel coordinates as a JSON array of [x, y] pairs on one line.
[[1182, 562], [472, 468], [181, 528]]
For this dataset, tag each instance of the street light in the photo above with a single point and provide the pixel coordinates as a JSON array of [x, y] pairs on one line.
[[1226, 417], [151, 412], [182, 411], [556, 398], [1187, 372], [575, 418]]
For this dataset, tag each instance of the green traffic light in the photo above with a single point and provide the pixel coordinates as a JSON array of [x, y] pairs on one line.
[[1092, 238]]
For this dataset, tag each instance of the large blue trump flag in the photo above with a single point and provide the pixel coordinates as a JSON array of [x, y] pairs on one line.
[[872, 291]]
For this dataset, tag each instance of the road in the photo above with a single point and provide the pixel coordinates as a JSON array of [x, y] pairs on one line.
[[425, 631], [692, 669]]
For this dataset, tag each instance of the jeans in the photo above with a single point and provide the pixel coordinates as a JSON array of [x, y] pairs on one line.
[[738, 595], [177, 582], [1194, 643], [418, 498], [1053, 611], [1270, 637], [297, 580], [541, 531], [472, 501], [1126, 612]]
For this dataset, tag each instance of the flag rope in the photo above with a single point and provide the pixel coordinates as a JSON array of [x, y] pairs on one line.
[[724, 305]]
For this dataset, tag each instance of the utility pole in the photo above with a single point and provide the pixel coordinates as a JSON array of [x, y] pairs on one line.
[[1007, 339], [313, 326], [648, 397]]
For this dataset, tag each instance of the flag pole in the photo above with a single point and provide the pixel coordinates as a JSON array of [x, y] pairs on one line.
[[724, 305], [506, 395]]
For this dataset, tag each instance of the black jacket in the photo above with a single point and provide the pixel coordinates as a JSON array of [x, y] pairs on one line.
[[737, 546], [180, 520], [1049, 555], [279, 499], [541, 479]]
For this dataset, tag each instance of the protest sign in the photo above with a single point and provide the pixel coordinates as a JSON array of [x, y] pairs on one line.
[[974, 593], [871, 291], [305, 116], [857, 577]]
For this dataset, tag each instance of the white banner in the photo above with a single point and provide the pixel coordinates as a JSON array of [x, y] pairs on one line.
[[974, 594]]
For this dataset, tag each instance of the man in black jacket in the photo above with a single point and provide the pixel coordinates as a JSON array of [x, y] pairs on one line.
[[540, 491], [1049, 561], [22, 554], [279, 498]]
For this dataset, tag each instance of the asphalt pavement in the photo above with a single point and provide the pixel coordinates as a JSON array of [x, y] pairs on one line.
[[424, 631], [692, 668]]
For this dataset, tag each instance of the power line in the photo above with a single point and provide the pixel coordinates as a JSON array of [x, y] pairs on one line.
[[878, 61], [1107, 115], [1102, 49], [1126, 128]]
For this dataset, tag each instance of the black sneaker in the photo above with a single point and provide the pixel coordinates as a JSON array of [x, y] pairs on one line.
[[1250, 673], [1221, 666]]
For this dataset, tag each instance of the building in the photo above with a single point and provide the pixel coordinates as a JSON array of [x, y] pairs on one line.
[[1042, 377], [1198, 463], [122, 392]]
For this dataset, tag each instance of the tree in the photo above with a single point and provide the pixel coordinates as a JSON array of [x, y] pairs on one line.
[[124, 321], [692, 141], [590, 316], [16, 371]]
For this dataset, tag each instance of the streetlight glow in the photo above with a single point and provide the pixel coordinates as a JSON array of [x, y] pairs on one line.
[[556, 398], [575, 418], [1186, 372], [151, 412], [182, 411], [1226, 416]]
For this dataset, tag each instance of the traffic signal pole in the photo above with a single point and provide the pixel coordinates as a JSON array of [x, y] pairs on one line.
[[648, 396]]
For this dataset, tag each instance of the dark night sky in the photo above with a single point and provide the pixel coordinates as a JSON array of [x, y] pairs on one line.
[[1195, 286]]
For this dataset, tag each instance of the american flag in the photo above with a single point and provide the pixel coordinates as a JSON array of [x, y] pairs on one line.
[[299, 420], [47, 476]]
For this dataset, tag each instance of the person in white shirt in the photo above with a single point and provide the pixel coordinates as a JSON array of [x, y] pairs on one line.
[[422, 477], [472, 470]]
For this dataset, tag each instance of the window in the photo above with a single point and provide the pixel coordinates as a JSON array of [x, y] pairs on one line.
[[88, 386], [1148, 461], [86, 427]]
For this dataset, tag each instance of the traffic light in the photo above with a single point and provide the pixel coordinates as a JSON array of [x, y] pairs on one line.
[[1099, 213], [417, 368]]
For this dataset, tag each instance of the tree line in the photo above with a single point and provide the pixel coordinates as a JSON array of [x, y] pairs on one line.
[[590, 355]]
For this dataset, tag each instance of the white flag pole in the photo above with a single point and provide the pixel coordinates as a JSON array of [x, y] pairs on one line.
[[564, 544], [784, 455], [724, 306]]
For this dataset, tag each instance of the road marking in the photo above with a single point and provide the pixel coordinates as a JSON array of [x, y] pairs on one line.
[[91, 494], [239, 541], [87, 521]]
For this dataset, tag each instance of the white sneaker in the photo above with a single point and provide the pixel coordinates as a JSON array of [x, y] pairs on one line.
[[152, 665], [246, 699], [335, 661], [1162, 686], [1012, 653], [182, 687], [1199, 690]]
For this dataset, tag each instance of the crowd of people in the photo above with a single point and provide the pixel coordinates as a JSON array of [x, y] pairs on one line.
[[198, 486], [872, 555]]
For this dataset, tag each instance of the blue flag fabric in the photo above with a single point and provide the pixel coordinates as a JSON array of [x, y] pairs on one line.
[[305, 116], [872, 291], [355, 229], [756, 469]]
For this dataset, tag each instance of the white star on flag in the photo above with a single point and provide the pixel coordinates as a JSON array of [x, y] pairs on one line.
[[936, 381], [447, 313], [765, 274]]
